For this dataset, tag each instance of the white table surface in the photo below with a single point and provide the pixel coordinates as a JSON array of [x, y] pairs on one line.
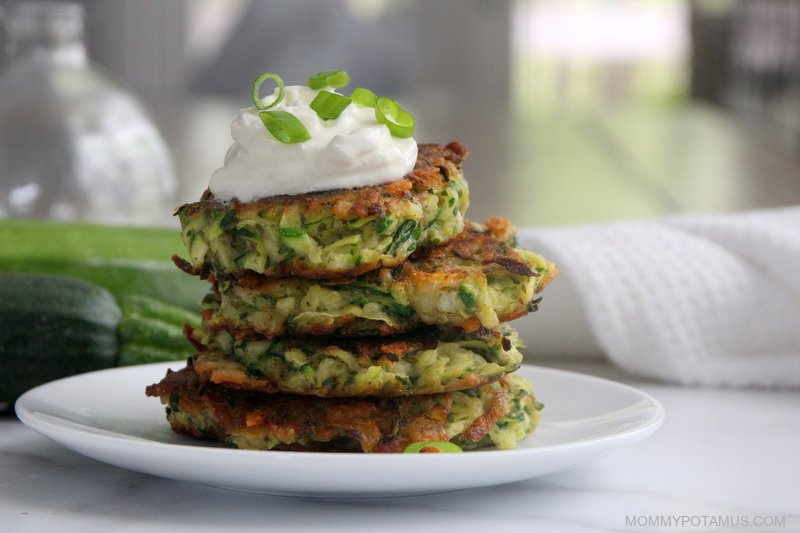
[[721, 454]]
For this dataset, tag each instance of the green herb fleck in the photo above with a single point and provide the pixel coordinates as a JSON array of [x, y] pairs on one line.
[[228, 220], [291, 233], [363, 287], [404, 233], [382, 224], [434, 219], [355, 255], [414, 237], [399, 311], [253, 372], [244, 232], [174, 403], [467, 295]]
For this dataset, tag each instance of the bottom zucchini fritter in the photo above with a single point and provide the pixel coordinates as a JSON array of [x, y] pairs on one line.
[[499, 414]]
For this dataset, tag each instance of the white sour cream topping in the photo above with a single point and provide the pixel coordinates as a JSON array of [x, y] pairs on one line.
[[354, 150]]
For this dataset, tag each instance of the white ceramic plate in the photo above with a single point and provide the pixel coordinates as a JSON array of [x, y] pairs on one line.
[[105, 415]]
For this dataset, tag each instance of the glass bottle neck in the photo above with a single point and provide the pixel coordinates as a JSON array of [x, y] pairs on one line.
[[47, 32]]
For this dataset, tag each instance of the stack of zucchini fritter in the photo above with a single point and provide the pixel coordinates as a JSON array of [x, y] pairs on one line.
[[357, 320]]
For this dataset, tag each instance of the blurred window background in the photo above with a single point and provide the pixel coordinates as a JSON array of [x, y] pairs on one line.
[[575, 111]]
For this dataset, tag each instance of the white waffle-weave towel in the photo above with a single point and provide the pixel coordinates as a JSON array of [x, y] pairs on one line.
[[691, 299]]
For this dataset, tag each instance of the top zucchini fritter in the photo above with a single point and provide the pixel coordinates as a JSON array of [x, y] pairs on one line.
[[476, 279], [329, 234]]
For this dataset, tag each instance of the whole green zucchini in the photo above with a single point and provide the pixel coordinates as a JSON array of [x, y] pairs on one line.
[[122, 260], [55, 326]]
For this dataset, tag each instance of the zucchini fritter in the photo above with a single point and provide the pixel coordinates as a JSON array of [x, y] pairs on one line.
[[333, 233], [499, 414], [476, 279], [429, 361]]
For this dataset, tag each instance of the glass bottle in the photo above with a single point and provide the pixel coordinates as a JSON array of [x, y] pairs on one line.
[[73, 144]]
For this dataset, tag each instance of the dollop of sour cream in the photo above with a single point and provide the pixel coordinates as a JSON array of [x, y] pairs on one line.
[[353, 150]]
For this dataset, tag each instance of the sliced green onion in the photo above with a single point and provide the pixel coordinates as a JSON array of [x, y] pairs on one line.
[[329, 78], [257, 89], [284, 126], [399, 121], [433, 446], [364, 97], [329, 105]]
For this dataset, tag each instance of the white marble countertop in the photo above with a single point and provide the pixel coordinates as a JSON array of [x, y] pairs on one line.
[[721, 455]]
